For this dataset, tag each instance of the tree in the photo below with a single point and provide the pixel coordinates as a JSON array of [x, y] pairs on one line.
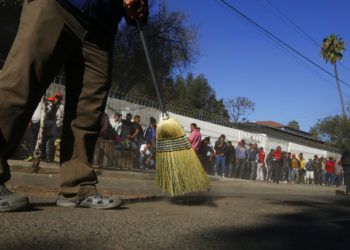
[[194, 92], [172, 46], [294, 125], [239, 108], [333, 129], [332, 51], [314, 133]]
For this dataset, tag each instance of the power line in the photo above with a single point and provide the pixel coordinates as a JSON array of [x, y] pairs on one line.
[[265, 31], [293, 23], [300, 29]]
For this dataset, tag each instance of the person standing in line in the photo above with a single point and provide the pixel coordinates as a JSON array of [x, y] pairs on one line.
[[309, 172], [329, 168], [253, 157], [230, 159], [59, 113], [220, 151], [295, 164], [77, 35], [345, 161], [302, 170], [261, 164], [338, 174], [34, 127], [195, 137], [322, 163], [317, 171], [285, 167], [241, 159], [269, 164], [150, 131], [277, 163], [203, 154]]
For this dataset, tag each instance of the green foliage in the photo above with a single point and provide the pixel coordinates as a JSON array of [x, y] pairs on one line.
[[194, 92], [333, 129], [239, 108], [314, 133], [171, 43], [332, 48], [294, 125]]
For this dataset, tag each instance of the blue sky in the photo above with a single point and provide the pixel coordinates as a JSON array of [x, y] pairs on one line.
[[238, 60]]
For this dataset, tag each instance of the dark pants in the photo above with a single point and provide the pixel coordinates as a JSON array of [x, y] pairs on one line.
[[240, 168], [253, 165], [347, 182], [48, 39], [318, 177], [276, 171]]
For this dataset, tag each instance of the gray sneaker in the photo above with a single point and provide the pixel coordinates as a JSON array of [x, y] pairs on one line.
[[10, 201], [95, 201]]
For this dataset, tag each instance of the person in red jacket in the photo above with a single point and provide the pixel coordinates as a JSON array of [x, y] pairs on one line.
[[277, 164], [261, 164], [330, 165]]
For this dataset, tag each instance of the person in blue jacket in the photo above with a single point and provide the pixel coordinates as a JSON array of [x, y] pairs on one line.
[[76, 35]]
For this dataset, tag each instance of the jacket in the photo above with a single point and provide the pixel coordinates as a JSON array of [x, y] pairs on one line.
[[101, 15]]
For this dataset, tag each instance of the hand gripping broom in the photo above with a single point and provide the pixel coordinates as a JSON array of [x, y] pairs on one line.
[[178, 168]]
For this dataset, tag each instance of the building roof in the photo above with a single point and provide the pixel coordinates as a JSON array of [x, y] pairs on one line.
[[270, 124]]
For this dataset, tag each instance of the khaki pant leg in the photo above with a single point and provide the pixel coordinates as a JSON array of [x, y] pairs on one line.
[[87, 91], [40, 48]]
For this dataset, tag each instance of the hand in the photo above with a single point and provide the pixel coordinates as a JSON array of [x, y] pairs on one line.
[[136, 10]]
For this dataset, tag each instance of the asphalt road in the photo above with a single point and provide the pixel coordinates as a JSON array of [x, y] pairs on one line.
[[233, 215]]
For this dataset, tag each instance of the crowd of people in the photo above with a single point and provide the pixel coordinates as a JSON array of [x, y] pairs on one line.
[[221, 158], [252, 162], [128, 135]]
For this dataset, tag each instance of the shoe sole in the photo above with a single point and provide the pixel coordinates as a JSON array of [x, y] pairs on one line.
[[66, 204], [18, 207], [115, 204]]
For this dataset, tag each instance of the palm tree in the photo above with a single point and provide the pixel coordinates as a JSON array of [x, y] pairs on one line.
[[332, 51]]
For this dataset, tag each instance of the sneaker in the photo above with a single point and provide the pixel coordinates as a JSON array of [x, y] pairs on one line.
[[10, 201], [95, 201]]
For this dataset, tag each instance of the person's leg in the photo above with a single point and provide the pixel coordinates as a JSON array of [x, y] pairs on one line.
[[38, 52], [142, 161], [216, 167], [223, 166], [347, 182], [242, 164], [88, 83], [238, 168]]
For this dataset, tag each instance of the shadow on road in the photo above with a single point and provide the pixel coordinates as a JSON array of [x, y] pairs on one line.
[[317, 225], [195, 200]]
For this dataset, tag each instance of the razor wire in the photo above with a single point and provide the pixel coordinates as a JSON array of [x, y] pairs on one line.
[[128, 102]]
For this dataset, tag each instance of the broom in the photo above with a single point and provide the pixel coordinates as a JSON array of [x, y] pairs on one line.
[[178, 168]]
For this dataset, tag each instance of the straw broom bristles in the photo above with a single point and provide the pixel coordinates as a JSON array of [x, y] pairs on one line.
[[179, 170]]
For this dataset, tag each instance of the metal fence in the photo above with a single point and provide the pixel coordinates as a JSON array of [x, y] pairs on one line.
[[147, 107]]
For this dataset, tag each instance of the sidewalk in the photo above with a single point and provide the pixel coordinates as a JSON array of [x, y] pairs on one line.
[[141, 184], [129, 185]]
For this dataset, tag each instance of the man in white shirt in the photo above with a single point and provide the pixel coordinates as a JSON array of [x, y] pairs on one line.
[[146, 156]]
